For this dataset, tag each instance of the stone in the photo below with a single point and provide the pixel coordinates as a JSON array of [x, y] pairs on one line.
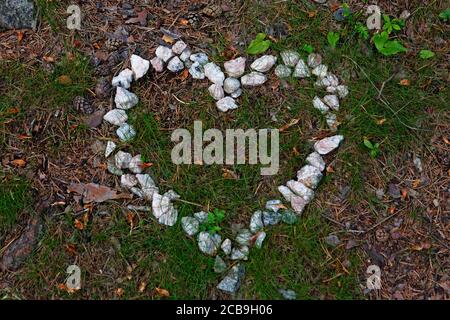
[[184, 56], [240, 253], [301, 190], [208, 243], [128, 181], [260, 237], [157, 64], [290, 58], [137, 192], [332, 122], [125, 99], [139, 208], [175, 65], [310, 176], [271, 218], [289, 217], [256, 222], [324, 82], [288, 294], [298, 204], [110, 147], [342, 91], [139, 66], [219, 265], [122, 159], [274, 205], [231, 85], [320, 71], [314, 60], [316, 160], [179, 47], [17, 14], [332, 101], [301, 70], [200, 57], [123, 79], [237, 93], [136, 164], [253, 79], [264, 64], [235, 68], [196, 71], [333, 80], [319, 105], [226, 246], [111, 166], [163, 209], [282, 71], [148, 186], [232, 282], [286, 192], [214, 73], [201, 216], [126, 132], [95, 120], [216, 91], [243, 237], [332, 240], [190, 225], [164, 53], [327, 145], [226, 104]]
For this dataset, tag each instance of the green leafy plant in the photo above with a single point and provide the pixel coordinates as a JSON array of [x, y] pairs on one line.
[[426, 54], [374, 149], [362, 30], [391, 25], [445, 15], [259, 44], [333, 39], [212, 224], [308, 48], [385, 46]]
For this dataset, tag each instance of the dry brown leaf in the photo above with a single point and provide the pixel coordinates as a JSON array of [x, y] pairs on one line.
[[20, 163], [49, 59], [288, 125], [391, 210], [64, 80], [13, 110], [405, 82], [229, 174], [71, 248], [184, 75], [184, 22], [119, 292], [93, 192], [416, 183], [24, 137], [142, 286], [141, 18], [78, 224], [447, 142], [162, 292], [19, 36], [168, 39], [404, 194], [330, 169], [381, 122], [312, 14]]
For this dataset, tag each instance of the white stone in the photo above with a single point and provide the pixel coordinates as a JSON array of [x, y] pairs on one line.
[[256, 223], [298, 204], [237, 93], [164, 53], [231, 85], [264, 64], [226, 246], [216, 91], [128, 181], [260, 237], [323, 82], [190, 225], [301, 190], [243, 237], [136, 164], [175, 65], [111, 166], [126, 132], [320, 71], [226, 104], [122, 159], [290, 58], [274, 205], [316, 160], [214, 73], [329, 144], [208, 243], [333, 79], [240, 254], [332, 101], [319, 105], [157, 64], [123, 79], [110, 147], [314, 60], [201, 216], [116, 117], [301, 70], [139, 66], [200, 57], [282, 71], [331, 121], [286, 192], [137, 192], [310, 176], [196, 71], [330, 89], [184, 56], [163, 209], [146, 181], [125, 99], [342, 91], [235, 68], [253, 79], [179, 47]]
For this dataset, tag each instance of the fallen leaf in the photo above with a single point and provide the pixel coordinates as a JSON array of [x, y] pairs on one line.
[[229, 174], [49, 59], [13, 110], [330, 169], [295, 152], [142, 286], [168, 39], [391, 210], [64, 80], [405, 82], [416, 183], [162, 292], [184, 75], [20, 163], [288, 125], [78, 224], [334, 6], [119, 292], [141, 18], [381, 122], [447, 142], [130, 219], [93, 192], [184, 22], [404, 194], [421, 246], [19, 36], [24, 137], [71, 249], [312, 14]]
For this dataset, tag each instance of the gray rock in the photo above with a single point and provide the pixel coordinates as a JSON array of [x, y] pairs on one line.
[[290, 58], [125, 99], [231, 85], [260, 237], [164, 53], [237, 93], [301, 190], [256, 222], [190, 225], [139, 66], [208, 243], [179, 47], [175, 65], [298, 204], [136, 164], [116, 117], [288, 294], [320, 71], [200, 57], [282, 71], [289, 217], [332, 101], [163, 209], [394, 191], [253, 79], [329, 144], [235, 68], [214, 73], [219, 265], [271, 218], [123, 79], [342, 91], [310, 176], [128, 181], [226, 246], [274, 205], [17, 14], [243, 237], [112, 168], [157, 64], [110, 147], [380, 194], [314, 60], [264, 64], [331, 119], [301, 70], [316, 160], [122, 159], [232, 282], [240, 253], [196, 71], [184, 56], [332, 240], [320, 105], [226, 104], [201, 216], [216, 91], [126, 132], [286, 192]]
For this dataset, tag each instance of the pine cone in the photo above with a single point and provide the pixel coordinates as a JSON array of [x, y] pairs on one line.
[[212, 11], [82, 105], [112, 44], [103, 70], [194, 19], [103, 88]]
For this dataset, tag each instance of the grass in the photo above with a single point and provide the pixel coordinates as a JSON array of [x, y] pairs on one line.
[[14, 198]]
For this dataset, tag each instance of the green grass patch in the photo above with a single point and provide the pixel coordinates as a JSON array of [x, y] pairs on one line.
[[14, 198]]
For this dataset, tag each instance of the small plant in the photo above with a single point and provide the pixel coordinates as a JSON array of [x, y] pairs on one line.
[[445, 15], [362, 30], [391, 25], [385, 46], [333, 39], [426, 54], [308, 48], [259, 44], [374, 149], [212, 224]]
